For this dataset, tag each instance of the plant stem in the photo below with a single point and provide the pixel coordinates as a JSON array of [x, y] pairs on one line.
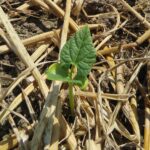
[[71, 96]]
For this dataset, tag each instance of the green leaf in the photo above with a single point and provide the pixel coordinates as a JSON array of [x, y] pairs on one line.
[[84, 84], [61, 73], [79, 51], [57, 72]]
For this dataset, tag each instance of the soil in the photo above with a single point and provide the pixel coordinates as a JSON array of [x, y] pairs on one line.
[[34, 21]]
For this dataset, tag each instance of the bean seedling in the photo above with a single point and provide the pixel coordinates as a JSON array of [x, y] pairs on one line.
[[76, 60]]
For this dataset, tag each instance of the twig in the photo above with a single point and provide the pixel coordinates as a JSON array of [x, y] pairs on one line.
[[41, 37], [22, 146], [54, 94], [133, 11], [63, 41], [30, 108], [49, 108], [147, 114], [20, 50], [11, 141], [120, 90]]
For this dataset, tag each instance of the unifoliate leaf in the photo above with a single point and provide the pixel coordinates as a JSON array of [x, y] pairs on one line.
[[79, 51], [57, 72], [60, 72], [85, 84]]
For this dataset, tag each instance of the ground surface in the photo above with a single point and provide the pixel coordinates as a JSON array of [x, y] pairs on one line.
[[113, 112]]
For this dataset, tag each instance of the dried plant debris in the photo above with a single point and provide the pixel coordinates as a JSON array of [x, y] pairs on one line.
[[107, 76]]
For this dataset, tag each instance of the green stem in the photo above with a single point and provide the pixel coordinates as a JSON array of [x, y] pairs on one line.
[[71, 96]]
